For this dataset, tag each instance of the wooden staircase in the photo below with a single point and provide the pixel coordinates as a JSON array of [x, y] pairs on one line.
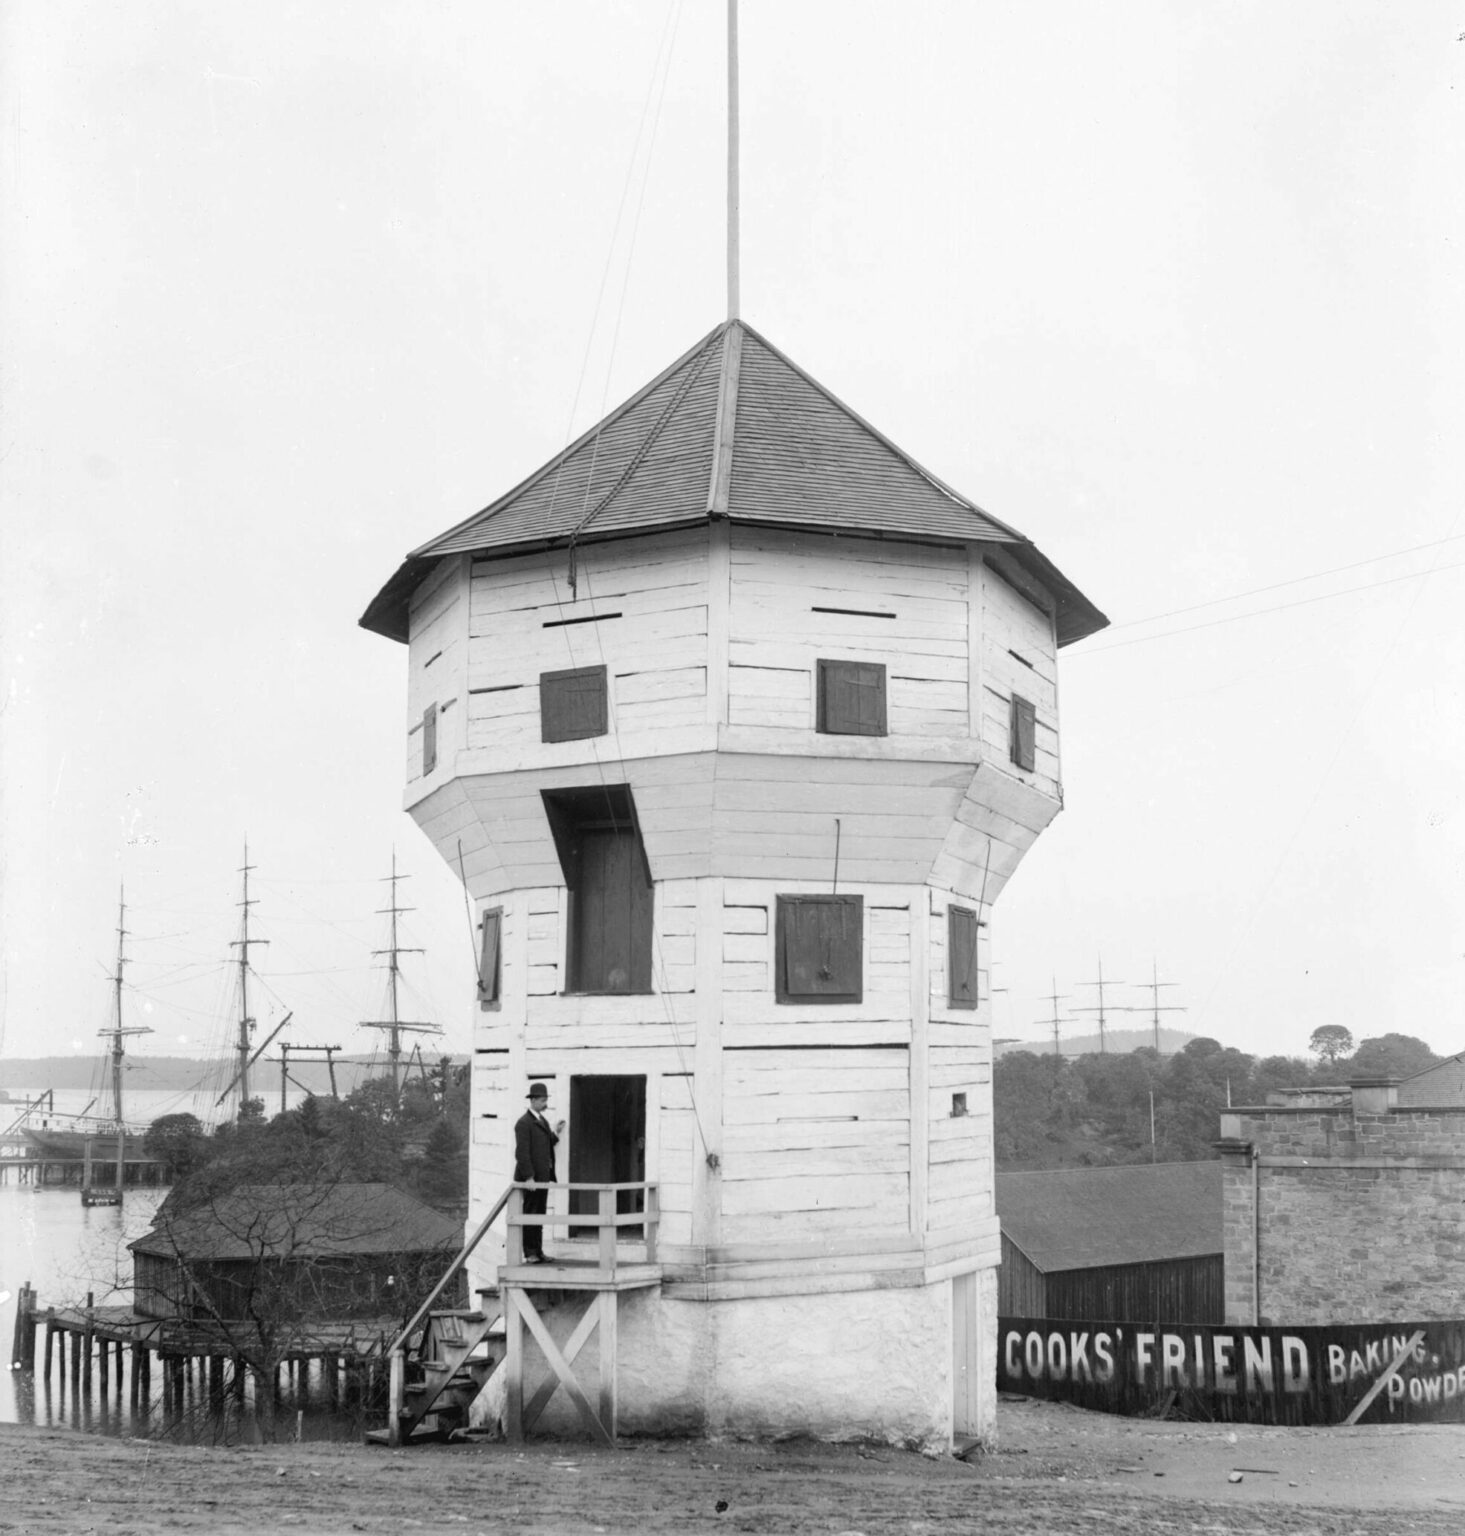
[[444, 1357], [444, 1369]]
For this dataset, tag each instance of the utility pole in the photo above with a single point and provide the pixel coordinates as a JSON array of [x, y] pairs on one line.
[[1099, 1008], [1153, 988], [393, 1023], [328, 1051], [1055, 998], [246, 1023]]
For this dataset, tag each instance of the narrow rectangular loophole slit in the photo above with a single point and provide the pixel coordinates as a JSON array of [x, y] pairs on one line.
[[854, 613], [590, 618]]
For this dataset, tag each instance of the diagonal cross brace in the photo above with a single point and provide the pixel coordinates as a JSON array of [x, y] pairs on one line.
[[576, 1342], [524, 1310], [1361, 1407]]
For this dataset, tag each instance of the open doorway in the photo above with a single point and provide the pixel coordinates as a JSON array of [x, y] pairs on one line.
[[607, 1144]]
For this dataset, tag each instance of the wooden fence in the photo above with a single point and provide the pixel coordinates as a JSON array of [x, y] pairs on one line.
[[1363, 1373]]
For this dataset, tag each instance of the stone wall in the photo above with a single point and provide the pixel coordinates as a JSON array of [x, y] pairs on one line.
[[1358, 1211]]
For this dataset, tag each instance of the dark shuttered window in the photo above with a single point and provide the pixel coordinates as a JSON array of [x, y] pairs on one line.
[[852, 698], [819, 950], [608, 945], [961, 957], [490, 965], [572, 704], [429, 739], [1022, 731]]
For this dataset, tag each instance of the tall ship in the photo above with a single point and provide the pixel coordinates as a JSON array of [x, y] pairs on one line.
[[104, 1137]]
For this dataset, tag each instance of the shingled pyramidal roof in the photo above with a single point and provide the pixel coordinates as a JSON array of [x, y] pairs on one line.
[[733, 429]]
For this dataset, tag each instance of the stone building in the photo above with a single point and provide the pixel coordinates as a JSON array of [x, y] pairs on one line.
[[735, 722], [1344, 1211]]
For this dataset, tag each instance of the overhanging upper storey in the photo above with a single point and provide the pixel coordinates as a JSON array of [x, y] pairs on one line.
[[735, 430]]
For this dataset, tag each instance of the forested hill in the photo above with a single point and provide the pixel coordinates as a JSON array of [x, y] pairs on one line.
[[1092, 1110]]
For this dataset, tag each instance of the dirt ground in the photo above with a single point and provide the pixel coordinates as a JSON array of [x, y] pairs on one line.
[[1059, 1470]]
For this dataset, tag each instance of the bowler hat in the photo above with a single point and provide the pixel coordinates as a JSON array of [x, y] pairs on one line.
[[537, 1091]]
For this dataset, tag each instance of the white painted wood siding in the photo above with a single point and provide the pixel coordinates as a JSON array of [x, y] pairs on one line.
[[677, 1157], [752, 1015], [1019, 656], [815, 1143], [655, 652], [776, 636], [436, 666]]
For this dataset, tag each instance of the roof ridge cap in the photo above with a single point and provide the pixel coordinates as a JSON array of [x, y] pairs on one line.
[[935, 481], [559, 459]]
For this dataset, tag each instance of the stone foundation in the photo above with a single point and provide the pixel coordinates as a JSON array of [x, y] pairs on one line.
[[855, 1365]]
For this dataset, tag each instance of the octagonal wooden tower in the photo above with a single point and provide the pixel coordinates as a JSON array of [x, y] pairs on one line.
[[736, 722]]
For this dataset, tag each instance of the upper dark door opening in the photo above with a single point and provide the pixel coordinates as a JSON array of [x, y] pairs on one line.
[[608, 944]]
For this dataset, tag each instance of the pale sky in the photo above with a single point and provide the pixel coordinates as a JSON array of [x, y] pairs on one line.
[[287, 289]]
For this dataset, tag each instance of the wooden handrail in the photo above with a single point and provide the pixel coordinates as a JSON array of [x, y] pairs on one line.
[[604, 1218], [420, 1315]]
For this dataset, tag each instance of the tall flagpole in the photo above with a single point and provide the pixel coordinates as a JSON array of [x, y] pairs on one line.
[[732, 159]]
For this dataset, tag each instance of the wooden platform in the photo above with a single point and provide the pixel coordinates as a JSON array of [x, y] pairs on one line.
[[561, 1274]]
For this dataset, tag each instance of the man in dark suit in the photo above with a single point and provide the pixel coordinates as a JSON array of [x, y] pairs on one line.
[[534, 1144]]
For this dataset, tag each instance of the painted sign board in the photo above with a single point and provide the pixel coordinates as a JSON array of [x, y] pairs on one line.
[[1366, 1373]]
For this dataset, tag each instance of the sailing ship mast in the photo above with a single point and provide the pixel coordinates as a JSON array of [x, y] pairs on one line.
[[394, 1024], [246, 1021], [117, 1032]]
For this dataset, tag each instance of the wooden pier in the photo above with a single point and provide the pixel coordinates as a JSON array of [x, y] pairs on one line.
[[26, 1166], [96, 1349]]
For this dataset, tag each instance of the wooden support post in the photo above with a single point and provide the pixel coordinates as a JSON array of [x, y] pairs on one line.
[[396, 1397], [50, 1342], [607, 1303], [606, 1206], [134, 1374], [147, 1375], [75, 1342], [513, 1363], [117, 1360], [104, 1361], [29, 1360], [87, 1341], [17, 1341], [513, 1232]]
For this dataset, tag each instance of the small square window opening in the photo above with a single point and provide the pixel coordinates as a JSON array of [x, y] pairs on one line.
[[572, 704], [819, 949], [851, 698]]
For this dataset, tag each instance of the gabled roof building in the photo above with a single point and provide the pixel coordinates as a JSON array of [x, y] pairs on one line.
[[1137, 1242], [735, 721]]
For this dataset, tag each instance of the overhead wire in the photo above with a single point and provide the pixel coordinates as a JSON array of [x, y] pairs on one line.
[[1257, 613], [1292, 581]]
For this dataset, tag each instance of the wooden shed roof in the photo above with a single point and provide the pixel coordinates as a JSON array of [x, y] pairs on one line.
[[300, 1221], [1083, 1218], [733, 429]]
